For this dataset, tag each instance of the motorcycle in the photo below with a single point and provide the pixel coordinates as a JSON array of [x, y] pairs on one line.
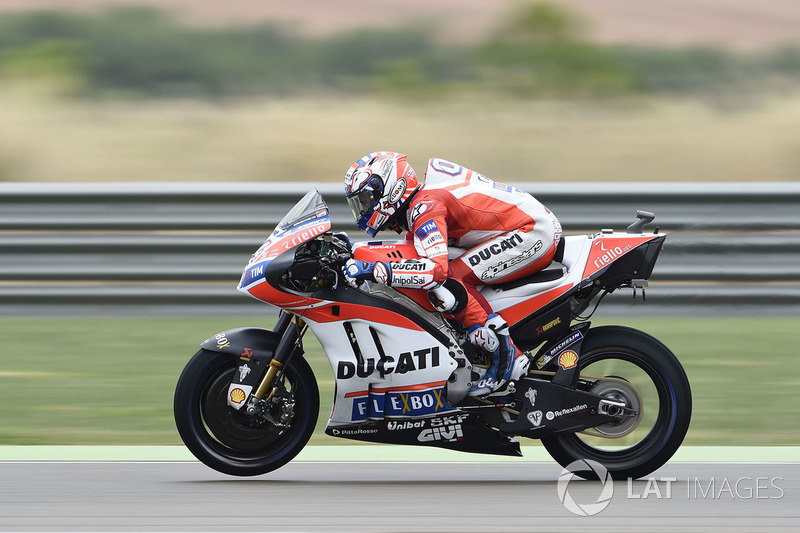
[[247, 402]]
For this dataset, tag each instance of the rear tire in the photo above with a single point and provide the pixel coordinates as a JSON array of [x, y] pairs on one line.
[[222, 437], [674, 409]]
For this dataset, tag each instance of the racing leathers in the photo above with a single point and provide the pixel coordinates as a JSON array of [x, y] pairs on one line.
[[471, 230], [493, 232]]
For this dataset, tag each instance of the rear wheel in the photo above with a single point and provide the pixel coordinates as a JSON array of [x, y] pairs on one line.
[[228, 440], [629, 367]]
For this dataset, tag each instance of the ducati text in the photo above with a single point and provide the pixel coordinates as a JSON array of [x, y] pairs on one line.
[[406, 362]]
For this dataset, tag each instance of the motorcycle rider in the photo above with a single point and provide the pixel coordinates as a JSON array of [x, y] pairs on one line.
[[506, 232]]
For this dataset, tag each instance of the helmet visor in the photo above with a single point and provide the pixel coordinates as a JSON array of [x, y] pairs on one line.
[[362, 203]]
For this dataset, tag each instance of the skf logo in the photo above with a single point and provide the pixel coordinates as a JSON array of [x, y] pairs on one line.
[[567, 360]]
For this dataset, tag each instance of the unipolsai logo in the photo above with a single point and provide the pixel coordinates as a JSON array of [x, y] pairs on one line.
[[606, 492]]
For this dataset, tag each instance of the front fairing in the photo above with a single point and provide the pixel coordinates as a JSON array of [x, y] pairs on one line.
[[309, 218], [406, 354]]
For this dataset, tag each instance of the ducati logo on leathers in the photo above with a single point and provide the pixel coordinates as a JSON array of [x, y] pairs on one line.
[[494, 249]]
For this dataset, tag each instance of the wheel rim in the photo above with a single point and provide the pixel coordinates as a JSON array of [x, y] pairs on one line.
[[656, 400], [227, 432]]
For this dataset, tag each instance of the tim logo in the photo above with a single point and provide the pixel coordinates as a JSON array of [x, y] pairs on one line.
[[425, 230]]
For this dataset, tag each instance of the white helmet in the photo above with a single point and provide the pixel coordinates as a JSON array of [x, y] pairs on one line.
[[377, 187]]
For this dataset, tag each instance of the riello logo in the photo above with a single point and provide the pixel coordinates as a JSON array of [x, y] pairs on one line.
[[610, 254]]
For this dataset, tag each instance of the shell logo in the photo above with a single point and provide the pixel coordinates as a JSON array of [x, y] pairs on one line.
[[238, 396], [567, 360]]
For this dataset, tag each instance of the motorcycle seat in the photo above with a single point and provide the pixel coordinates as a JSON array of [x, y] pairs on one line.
[[543, 276]]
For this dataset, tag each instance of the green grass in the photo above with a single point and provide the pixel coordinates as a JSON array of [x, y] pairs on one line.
[[111, 380]]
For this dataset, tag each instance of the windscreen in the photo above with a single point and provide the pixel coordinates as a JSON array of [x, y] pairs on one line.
[[310, 208], [307, 219]]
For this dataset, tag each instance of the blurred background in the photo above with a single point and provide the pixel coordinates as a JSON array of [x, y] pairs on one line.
[[571, 90], [536, 93]]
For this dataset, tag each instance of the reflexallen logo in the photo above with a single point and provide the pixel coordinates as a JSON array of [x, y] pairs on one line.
[[568, 411]]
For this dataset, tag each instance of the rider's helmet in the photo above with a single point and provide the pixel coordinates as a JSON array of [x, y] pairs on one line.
[[378, 188]]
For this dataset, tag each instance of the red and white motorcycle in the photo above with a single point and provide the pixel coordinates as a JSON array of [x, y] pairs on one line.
[[248, 402]]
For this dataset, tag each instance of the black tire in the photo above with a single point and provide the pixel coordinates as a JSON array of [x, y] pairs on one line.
[[674, 405], [221, 437]]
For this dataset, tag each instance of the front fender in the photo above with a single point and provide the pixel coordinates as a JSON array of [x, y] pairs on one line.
[[255, 348], [244, 343]]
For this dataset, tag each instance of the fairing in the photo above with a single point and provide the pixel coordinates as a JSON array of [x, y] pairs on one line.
[[309, 218], [586, 258], [392, 355]]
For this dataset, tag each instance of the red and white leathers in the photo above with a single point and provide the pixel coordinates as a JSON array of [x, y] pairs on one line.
[[506, 232]]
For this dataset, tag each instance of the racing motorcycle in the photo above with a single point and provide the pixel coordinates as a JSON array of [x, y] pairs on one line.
[[247, 402]]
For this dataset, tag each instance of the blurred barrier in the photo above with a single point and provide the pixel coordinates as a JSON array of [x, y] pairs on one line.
[[174, 247]]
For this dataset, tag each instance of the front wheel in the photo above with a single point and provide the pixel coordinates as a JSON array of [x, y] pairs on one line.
[[631, 367], [228, 440]]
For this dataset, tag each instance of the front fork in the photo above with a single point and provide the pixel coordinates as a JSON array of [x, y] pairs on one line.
[[291, 327]]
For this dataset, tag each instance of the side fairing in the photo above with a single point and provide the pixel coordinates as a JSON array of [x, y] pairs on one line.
[[606, 249], [384, 371]]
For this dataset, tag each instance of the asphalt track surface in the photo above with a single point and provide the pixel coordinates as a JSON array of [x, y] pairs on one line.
[[388, 497]]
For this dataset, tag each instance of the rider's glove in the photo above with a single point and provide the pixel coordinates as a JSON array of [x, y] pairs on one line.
[[357, 272]]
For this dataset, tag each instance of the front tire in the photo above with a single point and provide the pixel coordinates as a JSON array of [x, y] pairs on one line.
[[670, 405], [224, 438]]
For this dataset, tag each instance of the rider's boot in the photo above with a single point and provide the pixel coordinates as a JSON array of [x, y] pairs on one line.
[[507, 361]]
